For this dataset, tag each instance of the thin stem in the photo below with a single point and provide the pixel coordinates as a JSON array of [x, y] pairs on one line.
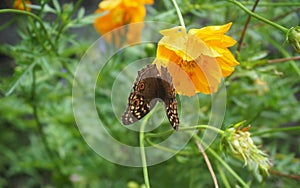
[[235, 175], [200, 148], [283, 29], [275, 4], [40, 127], [20, 78], [282, 51], [179, 13], [64, 25], [223, 176], [291, 176], [246, 26], [161, 134], [283, 59], [33, 16], [143, 153], [168, 149], [7, 24], [37, 34], [202, 127], [191, 128], [45, 30], [274, 130], [24, 4]]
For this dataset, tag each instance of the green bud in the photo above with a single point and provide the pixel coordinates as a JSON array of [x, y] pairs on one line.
[[132, 184], [241, 146], [293, 36]]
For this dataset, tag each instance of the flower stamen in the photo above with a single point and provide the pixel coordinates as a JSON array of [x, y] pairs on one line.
[[187, 66]]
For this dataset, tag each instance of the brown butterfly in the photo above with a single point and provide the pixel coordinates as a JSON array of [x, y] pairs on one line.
[[151, 87]]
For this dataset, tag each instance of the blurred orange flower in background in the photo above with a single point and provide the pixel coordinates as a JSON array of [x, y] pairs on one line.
[[18, 4], [119, 13], [197, 60]]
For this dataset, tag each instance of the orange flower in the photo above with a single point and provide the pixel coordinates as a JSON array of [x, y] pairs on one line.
[[18, 4], [121, 12], [197, 60]]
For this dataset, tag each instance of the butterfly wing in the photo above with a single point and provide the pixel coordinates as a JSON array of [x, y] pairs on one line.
[[165, 75], [137, 108], [150, 71], [172, 112], [149, 88], [140, 100], [170, 98]]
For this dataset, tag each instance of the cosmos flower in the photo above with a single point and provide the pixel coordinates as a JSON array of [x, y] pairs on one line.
[[197, 60], [120, 13]]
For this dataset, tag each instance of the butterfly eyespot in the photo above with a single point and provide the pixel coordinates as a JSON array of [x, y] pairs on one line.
[[142, 86], [136, 102]]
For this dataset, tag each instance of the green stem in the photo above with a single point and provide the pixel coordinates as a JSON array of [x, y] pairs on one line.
[[202, 127], [37, 34], [235, 175], [283, 51], [223, 176], [283, 29], [20, 78], [143, 153], [274, 130], [168, 149], [7, 24], [64, 25], [275, 4], [33, 16], [24, 4], [40, 129], [166, 133], [179, 13], [191, 128]]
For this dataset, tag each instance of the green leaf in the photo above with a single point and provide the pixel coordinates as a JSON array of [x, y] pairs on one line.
[[80, 13], [56, 6], [20, 79], [47, 8]]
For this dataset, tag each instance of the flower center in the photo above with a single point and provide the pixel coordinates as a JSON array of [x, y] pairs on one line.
[[188, 66]]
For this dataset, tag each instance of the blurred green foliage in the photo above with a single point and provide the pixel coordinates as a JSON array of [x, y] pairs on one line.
[[40, 143]]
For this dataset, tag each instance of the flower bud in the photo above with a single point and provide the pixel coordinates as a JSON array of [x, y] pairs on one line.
[[241, 146], [293, 36]]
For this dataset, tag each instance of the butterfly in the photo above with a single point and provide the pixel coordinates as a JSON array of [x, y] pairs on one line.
[[150, 87]]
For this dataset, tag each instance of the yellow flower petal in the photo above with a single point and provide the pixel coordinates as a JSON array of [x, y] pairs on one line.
[[214, 35], [180, 42], [178, 31], [197, 60], [109, 4], [121, 12], [216, 29], [18, 4], [148, 2]]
